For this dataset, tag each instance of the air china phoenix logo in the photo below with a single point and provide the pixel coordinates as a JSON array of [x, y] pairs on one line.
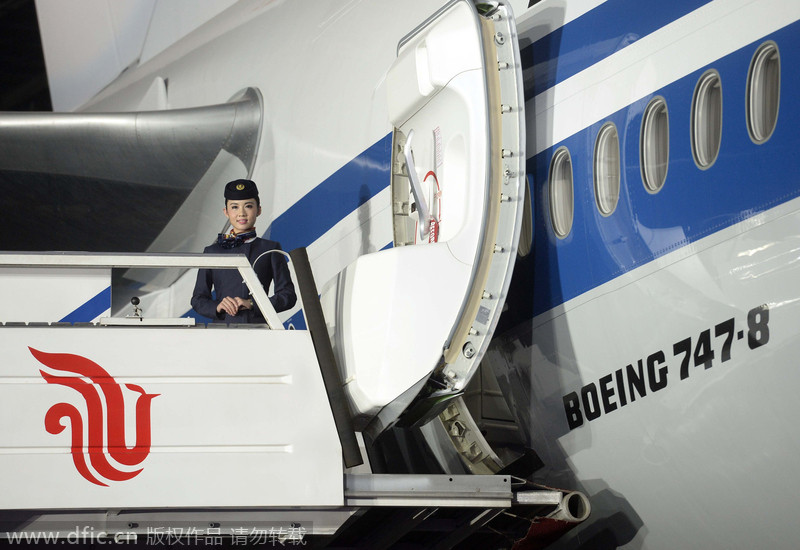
[[104, 435]]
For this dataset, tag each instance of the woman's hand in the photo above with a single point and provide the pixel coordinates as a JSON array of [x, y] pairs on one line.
[[232, 306]]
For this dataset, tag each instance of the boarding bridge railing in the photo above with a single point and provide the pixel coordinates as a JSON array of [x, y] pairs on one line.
[[49, 286]]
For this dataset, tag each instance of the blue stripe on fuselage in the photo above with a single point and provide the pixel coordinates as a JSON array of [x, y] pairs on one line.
[[329, 202], [91, 309], [745, 179], [592, 37]]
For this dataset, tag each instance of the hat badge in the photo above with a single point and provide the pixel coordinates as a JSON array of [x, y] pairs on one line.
[[240, 187]]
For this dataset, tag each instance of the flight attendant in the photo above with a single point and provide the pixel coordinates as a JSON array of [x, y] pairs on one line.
[[220, 294]]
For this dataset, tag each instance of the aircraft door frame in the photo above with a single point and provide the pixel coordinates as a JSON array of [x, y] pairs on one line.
[[431, 303]]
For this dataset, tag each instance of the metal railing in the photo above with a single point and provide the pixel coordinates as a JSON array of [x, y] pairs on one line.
[[128, 260]]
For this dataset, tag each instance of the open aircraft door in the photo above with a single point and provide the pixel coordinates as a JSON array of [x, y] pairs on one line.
[[430, 303]]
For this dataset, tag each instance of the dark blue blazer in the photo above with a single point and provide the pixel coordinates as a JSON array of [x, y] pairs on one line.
[[228, 282]]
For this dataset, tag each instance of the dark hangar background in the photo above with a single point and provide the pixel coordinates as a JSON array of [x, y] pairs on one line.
[[70, 213], [23, 81]]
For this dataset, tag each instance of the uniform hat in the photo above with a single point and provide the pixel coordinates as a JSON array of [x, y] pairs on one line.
[[237, 190]]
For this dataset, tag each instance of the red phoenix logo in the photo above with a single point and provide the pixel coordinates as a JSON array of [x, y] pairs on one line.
[[98, 447]]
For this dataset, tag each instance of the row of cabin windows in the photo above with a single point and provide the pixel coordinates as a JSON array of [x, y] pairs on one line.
[[762, 100]]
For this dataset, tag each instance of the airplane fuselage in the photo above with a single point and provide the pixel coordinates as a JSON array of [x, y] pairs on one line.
[[649, 343]]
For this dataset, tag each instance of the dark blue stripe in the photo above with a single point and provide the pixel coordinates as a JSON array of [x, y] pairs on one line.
[[297, 321], [329, 202], [745, 180], [91, 309], [592, 37]]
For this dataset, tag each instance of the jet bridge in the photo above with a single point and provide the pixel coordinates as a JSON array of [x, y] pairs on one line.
[[169, 426]]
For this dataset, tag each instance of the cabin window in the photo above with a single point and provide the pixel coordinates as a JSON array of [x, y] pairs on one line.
[[526, 232], [606, 169], [763, 92], [654, 145], [706, 120], [561, 194]]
